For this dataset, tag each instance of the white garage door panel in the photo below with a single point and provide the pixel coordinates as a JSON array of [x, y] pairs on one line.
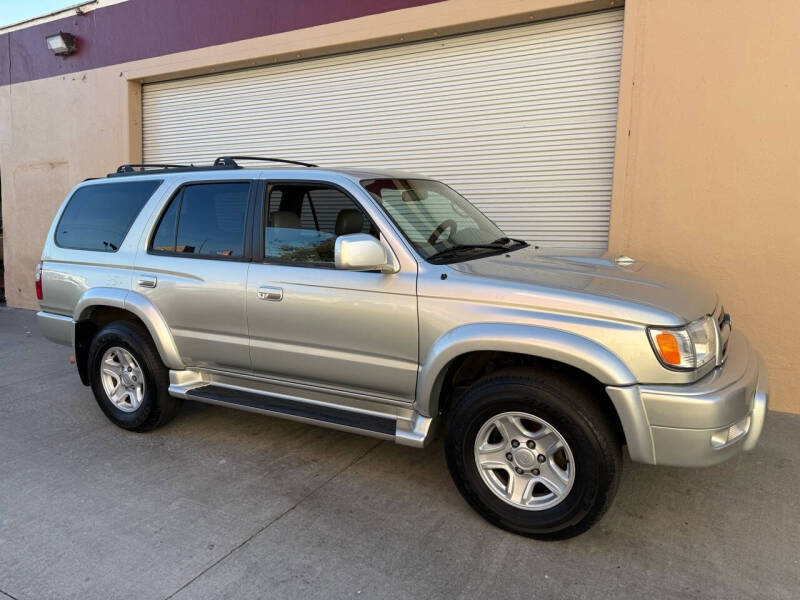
[[520, 120]]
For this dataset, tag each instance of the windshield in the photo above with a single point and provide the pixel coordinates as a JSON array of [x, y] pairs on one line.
[[435, 218]]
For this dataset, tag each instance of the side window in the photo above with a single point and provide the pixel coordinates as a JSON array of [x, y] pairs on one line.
[[164, 239], [206, 219], [98, 216], [303, 222]]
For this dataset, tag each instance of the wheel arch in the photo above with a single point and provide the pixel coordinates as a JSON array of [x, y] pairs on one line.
[[472, 347], [100, 306], [552, 344]]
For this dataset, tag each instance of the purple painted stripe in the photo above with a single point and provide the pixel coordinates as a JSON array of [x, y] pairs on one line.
[[145, 28]]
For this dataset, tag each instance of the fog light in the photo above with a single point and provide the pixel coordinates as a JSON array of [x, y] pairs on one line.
[[61, 44], [726, 436]]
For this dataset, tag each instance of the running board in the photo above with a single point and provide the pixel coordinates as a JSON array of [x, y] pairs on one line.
[[408, 432]]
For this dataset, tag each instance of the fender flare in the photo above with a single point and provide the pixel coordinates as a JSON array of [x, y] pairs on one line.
[[140, 306], [554, 344]]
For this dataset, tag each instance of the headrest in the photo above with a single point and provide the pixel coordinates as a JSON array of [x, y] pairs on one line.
[[285, 219], [349, 220], [414, 195]]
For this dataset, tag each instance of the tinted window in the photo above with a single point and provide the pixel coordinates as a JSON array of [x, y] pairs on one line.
[[164, 239], [210, 220], [98, 217], [303, 222]]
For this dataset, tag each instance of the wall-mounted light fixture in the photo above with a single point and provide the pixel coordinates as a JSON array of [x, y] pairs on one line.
[[61, 44]]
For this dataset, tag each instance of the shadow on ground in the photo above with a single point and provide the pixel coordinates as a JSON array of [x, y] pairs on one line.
[[226, 504]]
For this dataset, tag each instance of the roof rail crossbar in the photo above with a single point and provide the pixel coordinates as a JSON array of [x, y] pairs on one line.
[[131, 171], [230, 161], [130, 168]]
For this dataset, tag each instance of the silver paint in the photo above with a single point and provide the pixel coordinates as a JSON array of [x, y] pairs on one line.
[[382, 341], [362, 252]]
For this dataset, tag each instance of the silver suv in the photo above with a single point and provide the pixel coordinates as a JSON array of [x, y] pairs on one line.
[[386, 304]]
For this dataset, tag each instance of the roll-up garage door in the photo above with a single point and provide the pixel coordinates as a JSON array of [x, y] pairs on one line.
[[520, 120]]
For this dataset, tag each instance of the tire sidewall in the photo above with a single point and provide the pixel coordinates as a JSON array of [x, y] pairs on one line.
[[552, 406], [122, 336]]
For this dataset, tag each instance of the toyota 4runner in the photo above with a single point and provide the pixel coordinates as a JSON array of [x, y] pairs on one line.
[[385, 304]]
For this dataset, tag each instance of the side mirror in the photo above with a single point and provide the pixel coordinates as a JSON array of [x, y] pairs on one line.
[[362, 252]]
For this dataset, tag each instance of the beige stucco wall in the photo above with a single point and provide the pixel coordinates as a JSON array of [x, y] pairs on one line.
[[706, 173], [703, 180]]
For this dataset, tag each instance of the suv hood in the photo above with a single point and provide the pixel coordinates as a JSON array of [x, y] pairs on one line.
[[595, 275]]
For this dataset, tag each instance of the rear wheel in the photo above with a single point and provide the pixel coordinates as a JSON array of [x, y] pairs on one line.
[[533, 454], [129, 381]]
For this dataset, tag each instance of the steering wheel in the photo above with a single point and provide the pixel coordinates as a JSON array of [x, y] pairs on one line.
[[441, 228]]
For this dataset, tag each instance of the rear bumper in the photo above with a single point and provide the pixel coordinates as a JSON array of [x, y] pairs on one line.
[[56, 328], [703, 423]]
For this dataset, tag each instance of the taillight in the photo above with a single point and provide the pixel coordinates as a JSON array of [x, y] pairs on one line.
[[39, 294]]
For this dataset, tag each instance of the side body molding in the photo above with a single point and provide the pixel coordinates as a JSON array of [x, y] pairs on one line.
[[553, 344], [142, 308]]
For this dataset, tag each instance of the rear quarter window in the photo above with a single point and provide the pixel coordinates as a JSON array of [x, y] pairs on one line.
[[98, 217]]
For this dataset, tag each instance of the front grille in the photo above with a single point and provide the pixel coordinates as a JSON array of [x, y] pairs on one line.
[[724, 327]]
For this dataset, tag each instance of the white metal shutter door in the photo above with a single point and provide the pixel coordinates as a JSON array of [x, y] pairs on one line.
[[520, 120]]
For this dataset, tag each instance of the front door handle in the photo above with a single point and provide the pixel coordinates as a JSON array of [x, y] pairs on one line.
[[148, 281], [270, 293]]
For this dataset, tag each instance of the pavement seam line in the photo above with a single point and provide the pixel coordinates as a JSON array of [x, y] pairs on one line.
[[7, 595], [250, 538]]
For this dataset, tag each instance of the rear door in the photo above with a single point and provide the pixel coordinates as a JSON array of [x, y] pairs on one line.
[[310, 323], [195, 270]]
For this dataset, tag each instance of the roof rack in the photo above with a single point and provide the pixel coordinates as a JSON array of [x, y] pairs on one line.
[[131, 168], [221, 163], [158, 169], [230, 161]]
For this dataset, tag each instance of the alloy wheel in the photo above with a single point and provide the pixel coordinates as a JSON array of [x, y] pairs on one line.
[[524, 461], [122, 378]]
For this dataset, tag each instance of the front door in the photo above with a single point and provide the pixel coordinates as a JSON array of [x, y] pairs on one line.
[[345, 331], [195, 270]]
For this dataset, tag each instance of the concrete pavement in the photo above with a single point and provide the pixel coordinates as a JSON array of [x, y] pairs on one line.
[[227, 504]]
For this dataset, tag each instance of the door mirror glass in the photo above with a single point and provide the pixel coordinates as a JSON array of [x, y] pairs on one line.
[[362, 252]]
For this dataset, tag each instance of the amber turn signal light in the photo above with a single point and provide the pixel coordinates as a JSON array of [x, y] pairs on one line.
[[668, 348]]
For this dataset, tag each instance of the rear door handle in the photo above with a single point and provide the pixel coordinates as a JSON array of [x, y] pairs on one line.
[[148, 281], [266, 292]]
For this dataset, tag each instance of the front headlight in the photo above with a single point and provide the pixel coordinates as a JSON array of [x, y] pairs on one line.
[[688, 347]]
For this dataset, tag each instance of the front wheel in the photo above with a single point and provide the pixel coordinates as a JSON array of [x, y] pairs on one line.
[[533, 454]]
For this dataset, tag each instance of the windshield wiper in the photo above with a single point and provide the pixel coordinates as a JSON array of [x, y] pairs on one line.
[[455, 250], [500, 244], [505, 241]]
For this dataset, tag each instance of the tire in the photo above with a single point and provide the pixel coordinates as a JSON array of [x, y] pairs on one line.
[[564, 416], [144, 411]]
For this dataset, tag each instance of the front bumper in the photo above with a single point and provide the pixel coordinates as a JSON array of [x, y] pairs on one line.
[[698, 424]]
